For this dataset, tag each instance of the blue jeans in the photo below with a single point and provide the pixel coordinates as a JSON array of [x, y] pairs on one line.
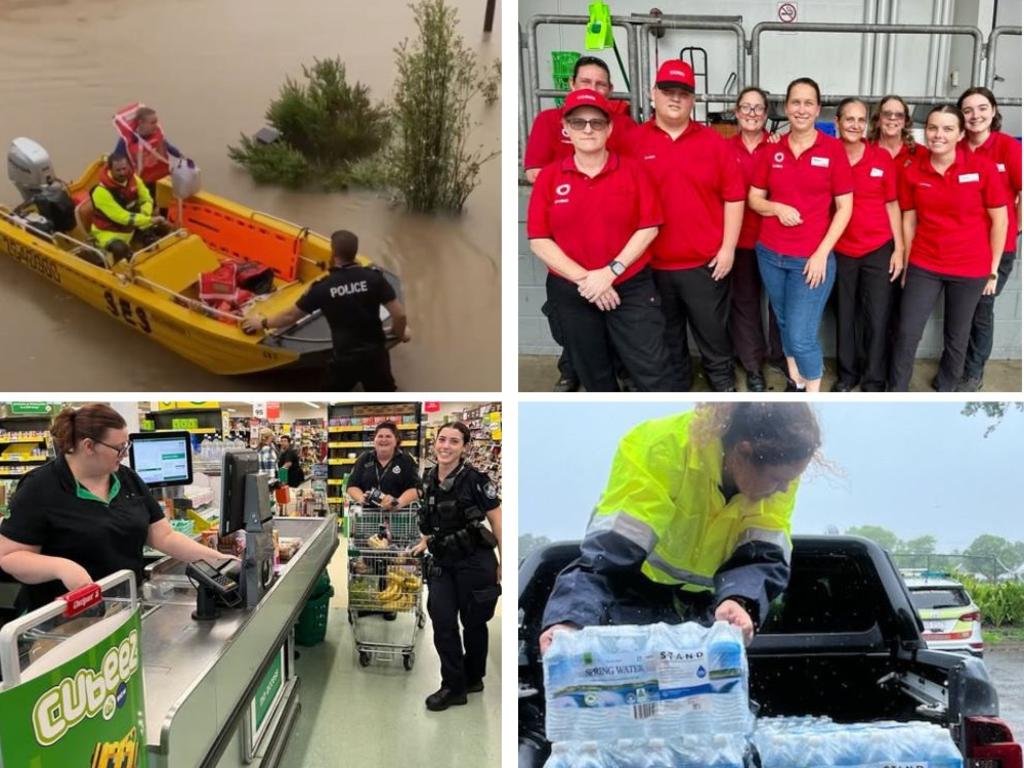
[[797, 307]]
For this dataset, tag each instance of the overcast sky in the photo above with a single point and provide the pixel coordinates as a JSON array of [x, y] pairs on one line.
[[914, 468]]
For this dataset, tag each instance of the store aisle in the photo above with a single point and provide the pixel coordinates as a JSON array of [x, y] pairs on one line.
[[375, 715]]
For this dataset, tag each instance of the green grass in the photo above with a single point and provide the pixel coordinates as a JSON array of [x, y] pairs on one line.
[[997, 635]]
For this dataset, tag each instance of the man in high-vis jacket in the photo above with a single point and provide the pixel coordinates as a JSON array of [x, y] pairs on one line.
[[121, 206], [694, 522]]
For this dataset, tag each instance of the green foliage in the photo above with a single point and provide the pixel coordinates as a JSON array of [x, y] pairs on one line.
[[431, 167], [276, 163], [490, 83], [881, 536], [996, 412], [326, 126], [1001, 603], [987, 545]]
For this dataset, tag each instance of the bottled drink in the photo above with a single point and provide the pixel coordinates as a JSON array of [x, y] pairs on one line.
[[727, 670]]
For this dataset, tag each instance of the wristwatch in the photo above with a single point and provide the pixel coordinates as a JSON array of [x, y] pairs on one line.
[[617, 267], [993, 276]]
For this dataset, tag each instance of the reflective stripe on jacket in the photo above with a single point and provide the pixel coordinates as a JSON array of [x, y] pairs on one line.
[[121, 207], [663, 514]]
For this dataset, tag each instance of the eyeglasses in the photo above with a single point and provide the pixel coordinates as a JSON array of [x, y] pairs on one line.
[[595, 123], [748, 109], [120, 450], [889, 115]]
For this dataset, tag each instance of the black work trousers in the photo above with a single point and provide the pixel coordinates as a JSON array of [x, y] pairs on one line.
[[465, 591], [635, 331], [372, 369], [690, 298], [923, 288], [746, 327], [983, 327], [864, 299]]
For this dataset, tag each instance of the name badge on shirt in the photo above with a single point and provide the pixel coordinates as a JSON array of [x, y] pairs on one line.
[[966, 177], [1001, 167], [877, 173], [819, 162]]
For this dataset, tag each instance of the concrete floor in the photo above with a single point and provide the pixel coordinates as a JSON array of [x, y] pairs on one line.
[[375, 716], [538, 373]]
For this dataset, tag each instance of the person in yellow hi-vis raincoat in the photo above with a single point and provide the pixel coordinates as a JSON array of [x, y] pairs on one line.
[[694, 521], [121, 206]]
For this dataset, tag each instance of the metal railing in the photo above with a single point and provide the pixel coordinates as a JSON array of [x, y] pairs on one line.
[[990, 75], [861, 28], [649, 25]]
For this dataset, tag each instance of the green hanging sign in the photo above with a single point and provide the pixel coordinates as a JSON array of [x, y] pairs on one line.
[[599, 28], [88, 711], [31, 409]]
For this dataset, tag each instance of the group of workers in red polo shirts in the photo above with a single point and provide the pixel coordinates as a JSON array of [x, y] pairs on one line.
[[652, 233]]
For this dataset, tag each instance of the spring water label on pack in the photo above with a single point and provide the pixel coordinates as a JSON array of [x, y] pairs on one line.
[[619, 678]]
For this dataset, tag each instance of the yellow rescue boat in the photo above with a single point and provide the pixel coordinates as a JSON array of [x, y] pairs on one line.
[[156, 293]]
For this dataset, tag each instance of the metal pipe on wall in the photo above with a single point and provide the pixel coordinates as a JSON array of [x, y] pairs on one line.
[[910, 29], [881, 47], [524, 66], [993, 40], [867, 47], [933, 51], [890, 65]]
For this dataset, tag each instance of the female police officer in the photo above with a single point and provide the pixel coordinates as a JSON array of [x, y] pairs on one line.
[[83, 515], [694, 521], [464, 577], [385, 476]]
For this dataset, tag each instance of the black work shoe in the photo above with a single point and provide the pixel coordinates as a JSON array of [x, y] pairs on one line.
[[566, 385], [935, 383], [792, 387], [755, 381], [475, 687], [390, 616], [969, 384], [627, 384], [443, 698], [842, 386]]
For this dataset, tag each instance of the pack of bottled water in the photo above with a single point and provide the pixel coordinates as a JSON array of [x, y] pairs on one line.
[[820, 743], [646, 682], [705, 751]]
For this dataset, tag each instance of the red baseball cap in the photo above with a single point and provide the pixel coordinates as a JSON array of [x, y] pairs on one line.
[[585, 97], [675, 73]]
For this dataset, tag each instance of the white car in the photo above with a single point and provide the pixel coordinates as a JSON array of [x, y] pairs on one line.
[[952, 621]]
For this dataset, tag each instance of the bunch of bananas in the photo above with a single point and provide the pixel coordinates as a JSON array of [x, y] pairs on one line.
[[400, 592]]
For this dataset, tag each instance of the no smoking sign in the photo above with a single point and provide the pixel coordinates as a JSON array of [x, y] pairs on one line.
[[787, 12]]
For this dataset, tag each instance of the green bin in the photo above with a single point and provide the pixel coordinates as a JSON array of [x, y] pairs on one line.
[[562, 63], [311, 628]]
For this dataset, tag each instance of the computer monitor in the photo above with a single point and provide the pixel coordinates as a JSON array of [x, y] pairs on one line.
[[236, 467], [162, 459]]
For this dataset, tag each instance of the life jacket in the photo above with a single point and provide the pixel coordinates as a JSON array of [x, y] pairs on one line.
[[126, 195], [148, 156]]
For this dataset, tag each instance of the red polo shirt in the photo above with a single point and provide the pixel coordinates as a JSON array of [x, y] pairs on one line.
[[1004, 150], [592, 219], [695, 174], [808, 183], [952, 222], [751, 221], [548, 140], [874, 185]]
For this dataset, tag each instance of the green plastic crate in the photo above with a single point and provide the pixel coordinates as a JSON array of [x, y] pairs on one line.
[[562, 63]]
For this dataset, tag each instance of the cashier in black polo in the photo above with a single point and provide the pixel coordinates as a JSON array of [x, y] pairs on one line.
[[83, 515], [350, 298], [385, 476]]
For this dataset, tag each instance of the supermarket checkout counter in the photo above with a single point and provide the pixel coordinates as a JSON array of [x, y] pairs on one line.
[[224, 692], [217, 654]]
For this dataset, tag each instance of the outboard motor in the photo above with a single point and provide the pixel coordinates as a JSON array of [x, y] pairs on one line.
[[30, 170]]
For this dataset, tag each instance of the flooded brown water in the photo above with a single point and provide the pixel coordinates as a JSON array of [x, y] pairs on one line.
[[211, 69]]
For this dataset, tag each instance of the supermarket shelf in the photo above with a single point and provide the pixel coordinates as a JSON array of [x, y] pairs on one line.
[[195, 431], [22, 440], [345, 460], [367, 428], [368, 444], [24, 459], [335, 481], [335, 500]]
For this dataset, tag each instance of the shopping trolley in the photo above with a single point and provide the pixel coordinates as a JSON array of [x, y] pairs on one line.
[[384, 578]]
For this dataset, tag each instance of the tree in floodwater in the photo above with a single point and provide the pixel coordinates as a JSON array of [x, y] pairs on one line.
[[326, 126], [996, 411], [431, 167]]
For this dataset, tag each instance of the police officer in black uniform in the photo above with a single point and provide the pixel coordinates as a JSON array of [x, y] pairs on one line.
[[463, 572], [350, 298], [384, 477]]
